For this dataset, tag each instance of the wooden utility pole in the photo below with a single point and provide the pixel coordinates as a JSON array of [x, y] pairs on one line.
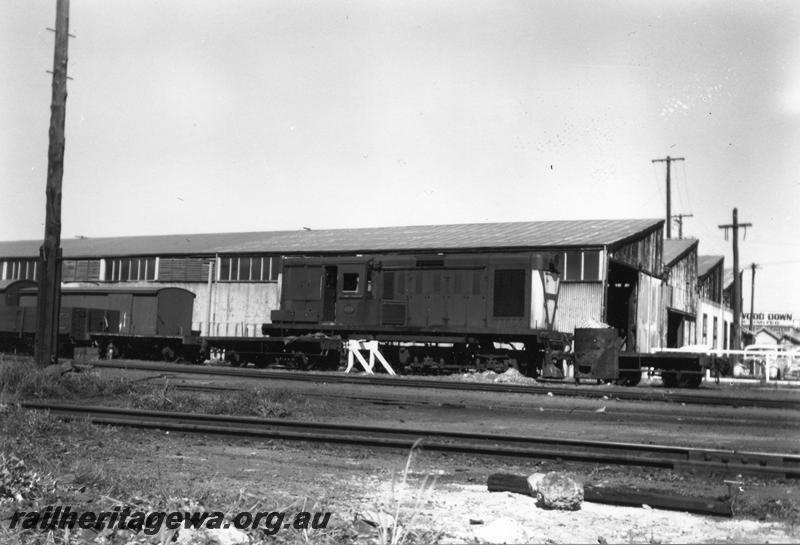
[[49, 300], [669, 161], [679, 220], [736, 334], [753, 268]]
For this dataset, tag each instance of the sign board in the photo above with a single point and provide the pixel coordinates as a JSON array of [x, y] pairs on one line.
[[767, 319]]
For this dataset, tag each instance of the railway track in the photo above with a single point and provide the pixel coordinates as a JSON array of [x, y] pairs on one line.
[[625, 394], [773, 465]]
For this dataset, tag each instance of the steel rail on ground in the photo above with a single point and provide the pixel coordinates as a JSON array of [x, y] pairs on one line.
[[377, 380], [776, 465]]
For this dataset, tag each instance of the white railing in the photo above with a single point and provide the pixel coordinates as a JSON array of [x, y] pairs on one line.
[[766, 362]]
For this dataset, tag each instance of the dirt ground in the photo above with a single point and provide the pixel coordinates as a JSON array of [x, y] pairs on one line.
[[388, 496], [215, 472]]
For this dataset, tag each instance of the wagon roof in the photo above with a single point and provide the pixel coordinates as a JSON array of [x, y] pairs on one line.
[[534, 234], [116, 289], [5, 284]]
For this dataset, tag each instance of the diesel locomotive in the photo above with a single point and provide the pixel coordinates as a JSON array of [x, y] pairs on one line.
[[429, 313]]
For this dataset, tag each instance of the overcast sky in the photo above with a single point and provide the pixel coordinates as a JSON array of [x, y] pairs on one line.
[[198, 116]]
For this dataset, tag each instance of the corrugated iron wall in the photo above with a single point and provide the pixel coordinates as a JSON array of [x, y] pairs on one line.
[[683, 281], [577, 302], [648, 313]]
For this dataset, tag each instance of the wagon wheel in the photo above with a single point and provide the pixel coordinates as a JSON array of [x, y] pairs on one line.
[[168, 354], [629, 378], [669, 378], [689, 380]]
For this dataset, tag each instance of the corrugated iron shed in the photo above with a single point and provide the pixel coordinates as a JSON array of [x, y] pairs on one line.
[[536, 234], [675, 249], [707, 262]]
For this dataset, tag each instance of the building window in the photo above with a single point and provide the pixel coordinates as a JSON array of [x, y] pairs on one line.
[[131, 269], [581, 266], [705, 328], [714, 333], [248, 269], [80, 270], [725, 326], [509, 293], [19, 269]]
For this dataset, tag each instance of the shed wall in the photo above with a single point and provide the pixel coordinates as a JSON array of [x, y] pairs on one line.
[[648, 313], [643, 254], [682, 282], [577, 302]]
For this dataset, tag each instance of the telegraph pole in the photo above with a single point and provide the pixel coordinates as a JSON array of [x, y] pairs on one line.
[[669, 161], [736, 334], [679, 219], [49, 300], [753, 268]]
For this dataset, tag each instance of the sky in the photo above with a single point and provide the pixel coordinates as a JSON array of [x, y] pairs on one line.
[[192, 116]]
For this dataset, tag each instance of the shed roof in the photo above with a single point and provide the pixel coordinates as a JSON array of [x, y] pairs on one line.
[[675, 249], [534, 234], [707, 262]]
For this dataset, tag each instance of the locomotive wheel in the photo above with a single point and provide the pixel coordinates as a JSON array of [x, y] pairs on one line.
[[301, 361], [234, 359]]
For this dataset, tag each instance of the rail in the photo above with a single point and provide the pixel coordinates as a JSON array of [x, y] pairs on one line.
[[660, 394], [774, 465]]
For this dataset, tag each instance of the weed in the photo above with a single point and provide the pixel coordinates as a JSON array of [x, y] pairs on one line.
[[258, 402], [397, 528], [21, 378]]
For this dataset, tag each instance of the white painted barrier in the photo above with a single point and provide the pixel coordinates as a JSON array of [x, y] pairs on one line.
[[354, 353]]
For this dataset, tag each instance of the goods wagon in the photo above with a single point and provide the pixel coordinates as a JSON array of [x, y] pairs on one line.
[[149, 321], [76, 327]]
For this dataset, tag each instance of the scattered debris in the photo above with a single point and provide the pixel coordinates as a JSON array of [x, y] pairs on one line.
[[509, 376], [556, 490]]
